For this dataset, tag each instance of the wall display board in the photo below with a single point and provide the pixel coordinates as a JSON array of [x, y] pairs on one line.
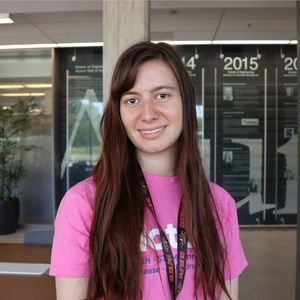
[[246, 100], [193, 59], [199, 62], [246, 106], [287, 136], [256, 132], [240, 129], [84, 108], [84, 79]]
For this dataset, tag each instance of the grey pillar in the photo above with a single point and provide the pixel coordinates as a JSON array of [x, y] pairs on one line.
[[124, 23], [298, 153]]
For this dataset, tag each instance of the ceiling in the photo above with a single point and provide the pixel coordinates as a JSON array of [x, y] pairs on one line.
[[76, 21]]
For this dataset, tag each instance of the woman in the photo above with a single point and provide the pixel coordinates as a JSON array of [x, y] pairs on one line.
[[148, 224]]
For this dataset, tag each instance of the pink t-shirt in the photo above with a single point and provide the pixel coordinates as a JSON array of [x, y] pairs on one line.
[[70, 245]]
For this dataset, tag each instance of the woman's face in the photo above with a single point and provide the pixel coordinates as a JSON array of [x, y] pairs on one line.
[[152, 110]]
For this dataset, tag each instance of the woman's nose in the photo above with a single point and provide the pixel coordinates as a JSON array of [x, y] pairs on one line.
[[149, 111]]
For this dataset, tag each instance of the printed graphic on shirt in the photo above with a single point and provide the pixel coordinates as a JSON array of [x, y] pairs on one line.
[[153, 260]]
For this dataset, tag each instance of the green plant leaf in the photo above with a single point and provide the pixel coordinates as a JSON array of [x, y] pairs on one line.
[[14, 122]]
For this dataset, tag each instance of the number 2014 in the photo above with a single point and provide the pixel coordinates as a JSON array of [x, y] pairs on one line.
[[190, 63]]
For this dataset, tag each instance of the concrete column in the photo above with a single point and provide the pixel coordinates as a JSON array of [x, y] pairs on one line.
[[124, 23]]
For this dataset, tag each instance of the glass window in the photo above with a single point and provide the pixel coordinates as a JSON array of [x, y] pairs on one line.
[[26, 74]]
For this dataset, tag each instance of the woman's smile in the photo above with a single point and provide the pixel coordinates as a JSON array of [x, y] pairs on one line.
[[152, 133]]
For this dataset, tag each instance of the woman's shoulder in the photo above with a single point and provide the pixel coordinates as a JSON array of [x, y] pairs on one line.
[[82, 193], [84, 188], [218, 191], [77, 204], [223, 200]]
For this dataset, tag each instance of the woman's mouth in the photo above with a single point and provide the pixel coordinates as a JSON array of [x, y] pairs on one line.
[[152, 132]]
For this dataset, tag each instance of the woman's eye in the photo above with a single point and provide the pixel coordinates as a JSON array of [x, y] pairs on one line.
[[131, 101], [162, 96]]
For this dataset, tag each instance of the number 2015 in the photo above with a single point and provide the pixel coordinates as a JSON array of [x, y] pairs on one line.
[[238, 63]]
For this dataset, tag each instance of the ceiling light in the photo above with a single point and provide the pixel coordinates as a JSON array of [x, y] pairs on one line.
[[229, 42], [171, 42], [26, 85], [27, 46], [253, 42], [22, 94], [5, 19], [11, 86], [204, 42], [88, 44], [59, 45], [38, 85]]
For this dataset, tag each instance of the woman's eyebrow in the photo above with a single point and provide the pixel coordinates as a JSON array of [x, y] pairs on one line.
[[155, 89], [130, 92], [161, 87]]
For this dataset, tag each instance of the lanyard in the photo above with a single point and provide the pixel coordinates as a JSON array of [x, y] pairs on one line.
[[181, 245]]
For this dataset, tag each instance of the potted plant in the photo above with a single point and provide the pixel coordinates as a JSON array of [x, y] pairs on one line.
[[15, 120]]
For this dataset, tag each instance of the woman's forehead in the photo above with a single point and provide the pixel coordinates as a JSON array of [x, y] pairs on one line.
[[155, 73]]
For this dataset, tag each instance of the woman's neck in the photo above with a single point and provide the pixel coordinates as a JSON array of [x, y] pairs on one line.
[[162, 164]]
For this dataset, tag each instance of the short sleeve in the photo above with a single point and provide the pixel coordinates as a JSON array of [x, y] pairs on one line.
[[235, 258], [70, 248]]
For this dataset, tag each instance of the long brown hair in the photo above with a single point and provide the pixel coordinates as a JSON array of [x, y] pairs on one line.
[[118, 216]]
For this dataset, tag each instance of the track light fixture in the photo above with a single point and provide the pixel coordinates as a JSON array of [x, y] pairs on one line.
[[282, 55], [221, 54], [196, 55], [258, 55], [74, 57]]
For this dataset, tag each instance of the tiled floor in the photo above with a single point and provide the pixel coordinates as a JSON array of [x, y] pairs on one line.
[[269, 276], [271, 255]]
